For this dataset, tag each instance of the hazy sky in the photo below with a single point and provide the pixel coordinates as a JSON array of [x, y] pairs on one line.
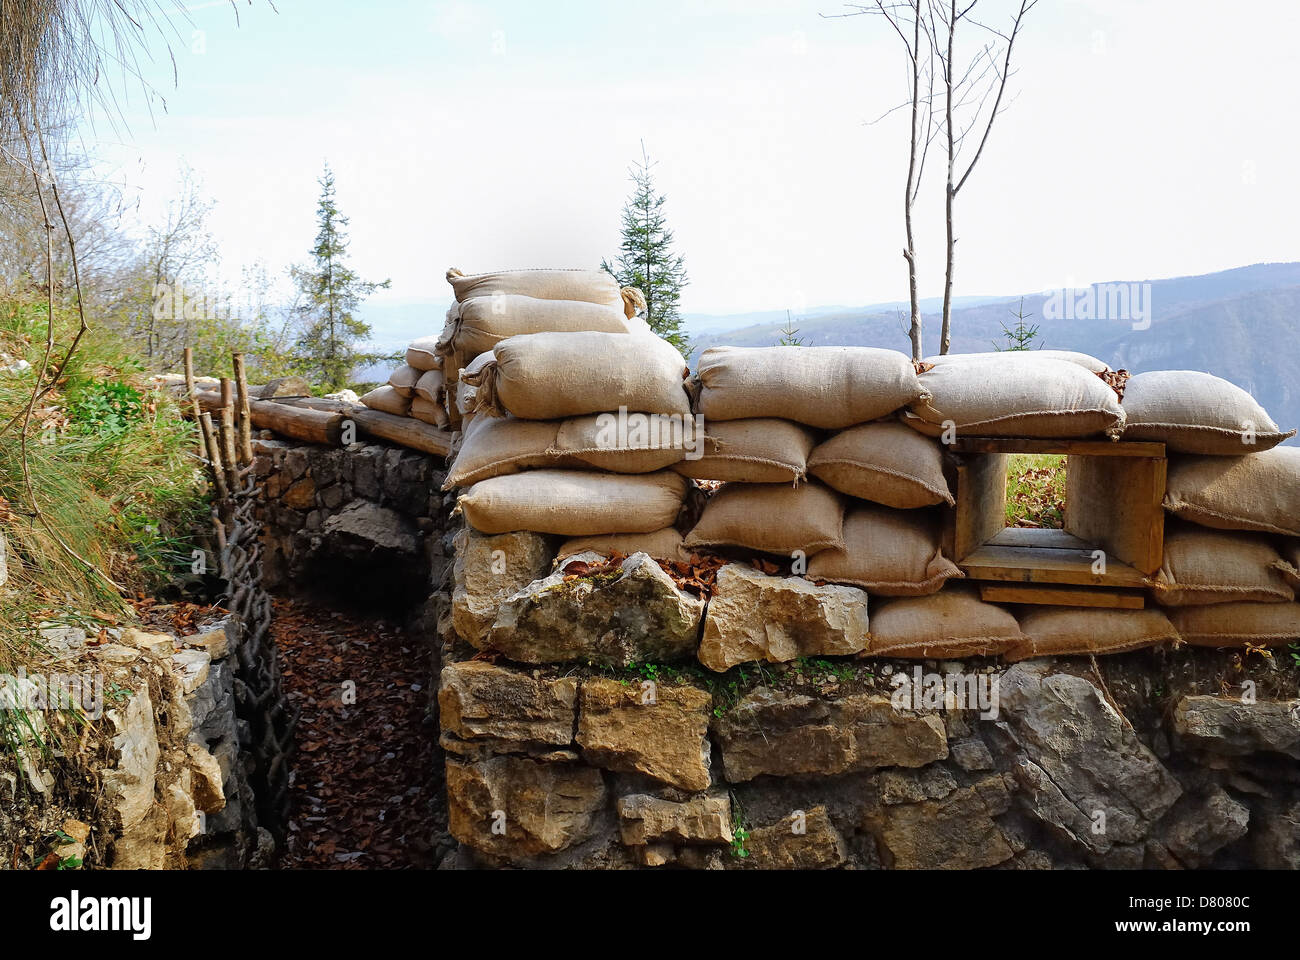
[[1147, 139]]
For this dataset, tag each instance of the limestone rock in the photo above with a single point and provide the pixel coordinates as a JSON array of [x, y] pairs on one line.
[[753, 616], [155, 644], [661, 731], [507, 710], [1088, 774], [129, 784], [489, 569], [192, 667], [1227, 726], [787, 734], [951, 832], [1276, 837], [807, 842], [1199, 827], [650, 820], [215, 641], [78, 833], [117, 653], [634, 614], [206, 779], [364, 531], [517, 808]]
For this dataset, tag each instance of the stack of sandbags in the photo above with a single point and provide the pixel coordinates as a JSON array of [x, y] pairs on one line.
[[1232, 546], [412, 392], [493, 307], [813, 473], [573, 434]]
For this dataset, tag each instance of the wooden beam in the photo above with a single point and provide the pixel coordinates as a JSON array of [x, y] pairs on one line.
[[300, 423], [1049, 565], [1076, 448], [403, 431], [1062, 596], [981, 508], [1118, 505]]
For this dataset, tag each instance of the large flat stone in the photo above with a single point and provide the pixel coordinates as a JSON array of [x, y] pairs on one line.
[[489, 569], [508, 711], [800, 842], [1227, 726], [517, 808], [644, 819], [632, 614], [1088, 774], [753, 616], [788, 734], [955, 831], [661, 732]]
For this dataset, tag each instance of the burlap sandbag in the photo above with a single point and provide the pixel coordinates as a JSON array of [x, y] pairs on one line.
[[885, 462], [1194, 412], [1069, 631], [887, 552], [1236, 624], [552, 376], [771, 518], [596, 443], [431, 386], [423, 354], [665, 544], [493, 447], [827, 387], [404, 379], [465, 393], [951, 624], [1089, 363], [479, 324], [434, 414], [588, 286], [1217, 566], [574, 503], [1027, 397], [752, 451], [387, 400], [1260, 491], [1290, 565]]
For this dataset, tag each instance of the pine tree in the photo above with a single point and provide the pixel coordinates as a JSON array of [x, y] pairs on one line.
[[790, 333], [330, 293], [1022, 335], [646, 259]]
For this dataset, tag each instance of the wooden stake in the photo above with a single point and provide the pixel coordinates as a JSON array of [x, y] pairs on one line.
[[214, 455], [190, 392], [228, 447], [245, 416]]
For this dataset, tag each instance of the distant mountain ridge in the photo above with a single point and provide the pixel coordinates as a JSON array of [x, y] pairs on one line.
[[1241, 324]]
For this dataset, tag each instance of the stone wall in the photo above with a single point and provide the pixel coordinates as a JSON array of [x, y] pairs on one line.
[[581, 729], [359, 525]]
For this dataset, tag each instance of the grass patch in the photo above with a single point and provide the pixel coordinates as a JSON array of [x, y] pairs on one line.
[[1036, 491]]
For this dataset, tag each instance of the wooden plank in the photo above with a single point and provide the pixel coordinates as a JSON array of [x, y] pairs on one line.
[[981, 510], [1063, 596], [1038, 537], [1095, 448], [1047, 565], [1117, 504]]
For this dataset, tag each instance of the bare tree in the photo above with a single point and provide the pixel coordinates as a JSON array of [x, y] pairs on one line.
[[928, 32], [965, 95], [907, 19]]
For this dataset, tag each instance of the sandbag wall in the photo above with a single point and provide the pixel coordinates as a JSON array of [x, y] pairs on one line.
[[828, 464], [684, 610]]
